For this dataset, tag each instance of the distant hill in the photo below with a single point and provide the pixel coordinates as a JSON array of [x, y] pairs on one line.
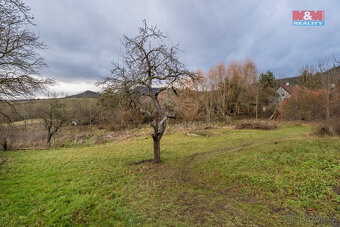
[[85, 94], [92, 94], [291, 80]]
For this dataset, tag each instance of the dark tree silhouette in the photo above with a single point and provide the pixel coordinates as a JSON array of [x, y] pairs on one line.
[[19, 59], [148, 63], [53, 114]]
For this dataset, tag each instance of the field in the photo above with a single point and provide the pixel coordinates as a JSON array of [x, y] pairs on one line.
[[210, 177]]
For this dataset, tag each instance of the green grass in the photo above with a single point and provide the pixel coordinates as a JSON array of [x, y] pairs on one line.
[[220, 177]]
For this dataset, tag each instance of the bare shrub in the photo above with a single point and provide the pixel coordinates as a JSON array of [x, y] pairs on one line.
[[256, 124], [305, 104], [19, 138], [34, 136], [331, 128]]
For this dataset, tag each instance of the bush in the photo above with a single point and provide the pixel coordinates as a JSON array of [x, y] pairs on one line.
[[256, 124], [305, 104], [331, 128]]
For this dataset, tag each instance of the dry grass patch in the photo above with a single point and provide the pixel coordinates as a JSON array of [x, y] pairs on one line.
[[256, 124]]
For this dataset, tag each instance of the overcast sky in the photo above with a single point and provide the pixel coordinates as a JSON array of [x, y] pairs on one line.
[[84, 36]]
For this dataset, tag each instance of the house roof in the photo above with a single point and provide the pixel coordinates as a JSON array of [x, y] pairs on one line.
[[289, 89]]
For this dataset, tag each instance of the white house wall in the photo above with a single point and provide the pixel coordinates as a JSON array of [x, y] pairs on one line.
[[283, 94]]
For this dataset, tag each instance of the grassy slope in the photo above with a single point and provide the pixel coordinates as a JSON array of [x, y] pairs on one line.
[[220, 177]]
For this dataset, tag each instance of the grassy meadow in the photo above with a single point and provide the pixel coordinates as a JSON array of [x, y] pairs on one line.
[[211, 177]]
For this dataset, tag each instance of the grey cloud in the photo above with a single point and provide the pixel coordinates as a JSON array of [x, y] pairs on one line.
[[84, 36]]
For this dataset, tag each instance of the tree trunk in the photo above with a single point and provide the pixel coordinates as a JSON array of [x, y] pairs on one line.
[[156, 149], [157, 136], [257, 101], [330, 131], [49, 137], [5, 144], [327, 105]]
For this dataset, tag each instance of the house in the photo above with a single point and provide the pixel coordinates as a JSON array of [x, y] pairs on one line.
[[285, 91]]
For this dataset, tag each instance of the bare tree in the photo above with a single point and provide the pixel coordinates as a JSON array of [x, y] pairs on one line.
[[241, 76], [53, 114], [186, 102], [148, 62], [207, 106], [19, 59], [217, 76], [330, 75], [87, 111]]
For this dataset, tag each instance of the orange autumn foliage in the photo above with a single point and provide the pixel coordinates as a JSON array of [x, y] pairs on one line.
[[305, 104]]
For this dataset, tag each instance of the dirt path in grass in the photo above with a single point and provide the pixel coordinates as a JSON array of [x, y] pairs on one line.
[[196, 203], [200, 199], [192, 157], [182, 172]]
